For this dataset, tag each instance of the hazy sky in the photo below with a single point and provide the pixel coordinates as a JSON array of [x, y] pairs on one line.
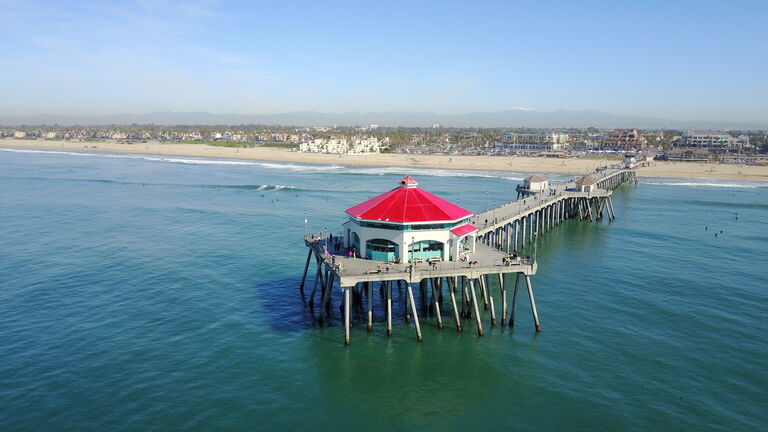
[[698, 60]]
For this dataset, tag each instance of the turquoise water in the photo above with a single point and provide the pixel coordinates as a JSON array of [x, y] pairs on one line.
[[160, 293]]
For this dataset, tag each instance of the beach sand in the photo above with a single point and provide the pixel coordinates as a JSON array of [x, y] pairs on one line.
[[485, 163]]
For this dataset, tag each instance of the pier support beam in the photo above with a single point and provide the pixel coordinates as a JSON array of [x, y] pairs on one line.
[[465, 305], [415, 313], [370, 306], [326, 295], [318, 277], [514, 301], [517, 228], [533, 303], [483, 291], [474, 305], [452, 289], [389, 308], [435, 299], [347, 306], [306, 267], [610, 206], [489, 290], [503, 290]]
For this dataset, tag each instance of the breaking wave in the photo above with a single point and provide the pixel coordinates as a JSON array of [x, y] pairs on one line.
[[434, 172], [188, 161], [257, 188]]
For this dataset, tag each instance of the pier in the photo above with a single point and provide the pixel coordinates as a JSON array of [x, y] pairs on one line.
[[480, 259], [514, 225]]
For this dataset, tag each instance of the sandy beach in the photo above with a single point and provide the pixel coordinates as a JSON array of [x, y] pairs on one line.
[[485, 163]]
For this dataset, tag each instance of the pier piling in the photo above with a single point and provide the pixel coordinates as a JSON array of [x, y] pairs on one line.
[[474, 306], [435, 297], [503, 290], [514, 301], [452, 289], [389, 308], [370, 306], [415, 313], [533, 303], [346, 314]]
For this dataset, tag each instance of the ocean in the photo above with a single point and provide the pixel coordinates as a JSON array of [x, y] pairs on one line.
[[145, 292]]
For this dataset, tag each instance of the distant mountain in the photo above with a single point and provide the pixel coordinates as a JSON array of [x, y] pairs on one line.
[[508, 118]]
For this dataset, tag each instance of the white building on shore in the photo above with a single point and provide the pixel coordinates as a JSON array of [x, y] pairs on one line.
[[536, 141], [355, 145], [708, 140]]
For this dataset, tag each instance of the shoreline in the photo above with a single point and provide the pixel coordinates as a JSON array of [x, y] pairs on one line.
[[520, 164]]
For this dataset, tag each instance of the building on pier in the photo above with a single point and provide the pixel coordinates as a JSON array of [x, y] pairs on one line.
[[408, 223], [586, 184], [532, 185], [536, 183], [630, 159]]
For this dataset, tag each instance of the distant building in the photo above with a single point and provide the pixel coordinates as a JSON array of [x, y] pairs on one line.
[[707, 140], [538, 141], [355, 145], [680, 154], [623, 139], [742, 142], [19, 134]]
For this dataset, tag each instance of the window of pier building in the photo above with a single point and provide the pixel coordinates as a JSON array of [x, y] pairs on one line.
[[426, 249], [381, 250], [380, 225]]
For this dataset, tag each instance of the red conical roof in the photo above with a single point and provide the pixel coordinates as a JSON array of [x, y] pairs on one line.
[[408, 204]]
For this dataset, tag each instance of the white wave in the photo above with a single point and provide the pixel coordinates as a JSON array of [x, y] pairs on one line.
[[198, 161], [187, 161], [745, 185], [434, 172], [340, 169], [55, 152]]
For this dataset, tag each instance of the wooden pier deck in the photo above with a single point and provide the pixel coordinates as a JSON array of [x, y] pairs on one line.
[[351, 271]]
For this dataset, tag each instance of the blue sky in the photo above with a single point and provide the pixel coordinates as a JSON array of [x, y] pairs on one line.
[[702, 60]]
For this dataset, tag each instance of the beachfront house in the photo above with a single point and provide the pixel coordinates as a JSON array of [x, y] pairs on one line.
[[408, 223]]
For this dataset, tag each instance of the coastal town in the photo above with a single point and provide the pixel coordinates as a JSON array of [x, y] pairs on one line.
[[740, 147]]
